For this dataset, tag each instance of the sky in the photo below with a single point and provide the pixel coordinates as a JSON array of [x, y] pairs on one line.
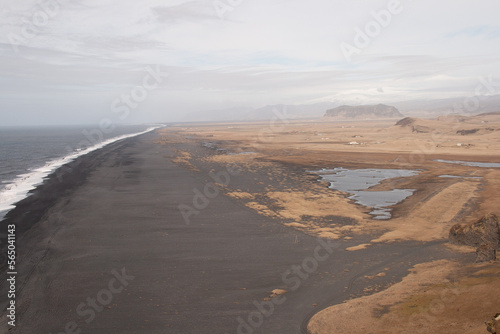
[[79, 62]]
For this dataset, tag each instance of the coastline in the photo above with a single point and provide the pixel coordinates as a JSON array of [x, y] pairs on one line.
[[57, 185], [121, 219], [284, 153], [20, 186], [117, 220]]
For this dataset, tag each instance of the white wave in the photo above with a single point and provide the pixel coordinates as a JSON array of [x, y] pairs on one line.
[[18, 189]]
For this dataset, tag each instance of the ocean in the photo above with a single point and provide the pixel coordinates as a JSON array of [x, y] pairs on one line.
[[28, 155]]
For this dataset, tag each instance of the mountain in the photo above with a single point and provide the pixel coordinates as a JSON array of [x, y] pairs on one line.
[[453, 124], [364, 112], [293, 111], [264, 113], [432, 108], [219, 115]]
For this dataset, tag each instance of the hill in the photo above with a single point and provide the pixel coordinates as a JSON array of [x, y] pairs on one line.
[[453, 124], [433, 108], [264, 113], [363, 112]]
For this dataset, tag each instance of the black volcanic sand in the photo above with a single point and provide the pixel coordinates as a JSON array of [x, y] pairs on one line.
[[116, 212]]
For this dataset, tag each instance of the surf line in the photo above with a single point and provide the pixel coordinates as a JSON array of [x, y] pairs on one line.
[[20, 187]]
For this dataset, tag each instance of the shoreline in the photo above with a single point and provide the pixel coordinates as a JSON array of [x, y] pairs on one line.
[[119, 217], [37, 175], [426, 216], [58, 184], [124, 215]]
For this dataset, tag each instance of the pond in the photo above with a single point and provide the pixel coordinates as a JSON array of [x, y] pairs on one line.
[[471, 163], [358, 181]]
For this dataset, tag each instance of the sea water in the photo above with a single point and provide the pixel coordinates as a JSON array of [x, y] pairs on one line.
[[29, 155]]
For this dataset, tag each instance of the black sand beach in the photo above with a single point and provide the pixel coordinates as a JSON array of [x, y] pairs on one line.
[[105, 249]]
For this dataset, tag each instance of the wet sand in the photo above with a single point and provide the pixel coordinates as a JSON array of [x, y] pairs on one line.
[[111, 253]]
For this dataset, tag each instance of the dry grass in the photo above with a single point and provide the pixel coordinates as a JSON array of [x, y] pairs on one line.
[[426, 301], [416, 304], [382, 145]]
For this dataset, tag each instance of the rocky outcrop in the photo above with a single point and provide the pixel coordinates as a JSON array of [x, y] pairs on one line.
[[467, 132], [483, 234], [379, 111], [493, 325], [475, 131], [409, 122], [485, 253]]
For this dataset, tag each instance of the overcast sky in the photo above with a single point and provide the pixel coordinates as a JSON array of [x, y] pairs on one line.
[[64, 61]]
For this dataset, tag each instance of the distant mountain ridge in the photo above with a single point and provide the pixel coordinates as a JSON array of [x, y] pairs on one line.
[[299, 111], [430, 108], [377, 111], [455, 124]]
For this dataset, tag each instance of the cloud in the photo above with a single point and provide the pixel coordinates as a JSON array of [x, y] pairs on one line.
[[260, 52], [486, 31]]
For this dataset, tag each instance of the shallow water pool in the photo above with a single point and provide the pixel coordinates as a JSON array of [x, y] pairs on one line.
[[472, 163], [358, 181], [460, 177]]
